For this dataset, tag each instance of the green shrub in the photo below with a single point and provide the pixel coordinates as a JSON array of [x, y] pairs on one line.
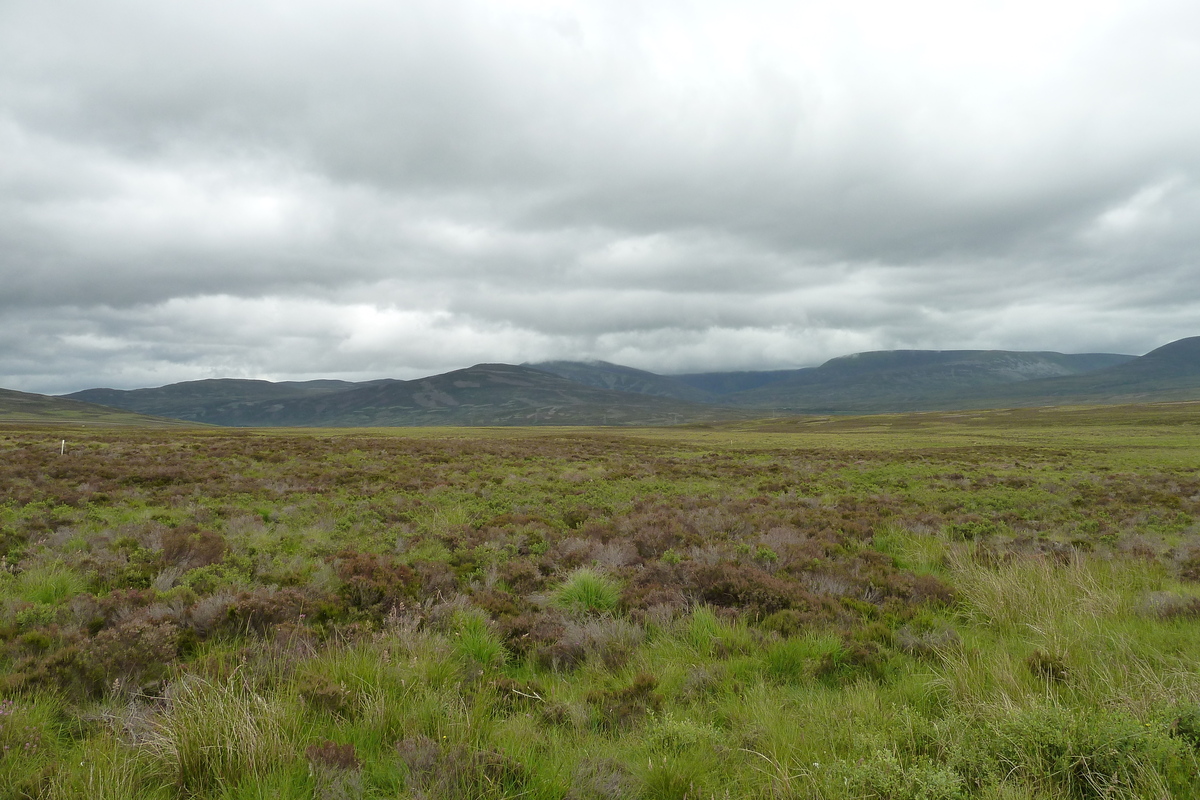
[[668, 733], [855, 659], [1186, 726], [1086, 754], [885, 777]]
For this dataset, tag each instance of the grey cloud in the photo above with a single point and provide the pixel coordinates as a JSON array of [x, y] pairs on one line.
[[379, 189]]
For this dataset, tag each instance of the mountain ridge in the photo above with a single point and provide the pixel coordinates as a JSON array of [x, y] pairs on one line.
[[484, 394], [602, 393]]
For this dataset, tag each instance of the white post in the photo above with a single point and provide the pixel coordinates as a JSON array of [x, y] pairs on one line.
[[62, 450]]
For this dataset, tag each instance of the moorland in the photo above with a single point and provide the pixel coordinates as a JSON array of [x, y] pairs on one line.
[[996, 604]]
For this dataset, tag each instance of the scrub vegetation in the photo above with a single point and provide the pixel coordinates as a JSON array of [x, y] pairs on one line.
[[930, 606]]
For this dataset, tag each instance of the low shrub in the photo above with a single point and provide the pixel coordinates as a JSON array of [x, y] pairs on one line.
[[1089, 754], [531, 630], [625, 706], [852, 661], [322, 693], [453, 771], [1050, 667], [497, 603], [265, 608], [336, 771], [611, 641], [884, 777], [601, 779], [1186, 726], [131, 655], [786, 622], [745, 588], [189, 547], [373, 582]]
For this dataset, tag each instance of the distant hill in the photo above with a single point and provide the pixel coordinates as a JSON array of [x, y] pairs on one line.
[[720, 384], [486, 394], [869, 382], [599, 393], [24, 407], [210, 400], [603, 375], [1170, 372], [909, 380]]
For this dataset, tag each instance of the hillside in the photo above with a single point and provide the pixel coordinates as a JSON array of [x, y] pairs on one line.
[[599, 393], [603, 375], [205, 400], [24, 407], [871, 382], [907, 380], [1170, 372], [486, 394], [721, 384]]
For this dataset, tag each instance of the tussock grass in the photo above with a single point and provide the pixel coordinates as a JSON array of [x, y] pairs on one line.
[[588, 591], [213, 735], [476, 643], [46, 585], [1042, 593]]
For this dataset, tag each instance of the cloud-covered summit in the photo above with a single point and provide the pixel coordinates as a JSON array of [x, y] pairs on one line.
[[368, 189]]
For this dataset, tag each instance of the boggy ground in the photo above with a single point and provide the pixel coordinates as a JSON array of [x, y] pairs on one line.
[[1001, 604]]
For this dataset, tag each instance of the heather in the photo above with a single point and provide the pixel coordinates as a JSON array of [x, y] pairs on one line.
[[992, 604]]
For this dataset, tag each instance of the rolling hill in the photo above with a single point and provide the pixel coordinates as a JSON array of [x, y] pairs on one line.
[[1170, 372], [486, 394], [599, 393], [910, 380], [865, 383], [214, 399], [27, 408], [603, 375]]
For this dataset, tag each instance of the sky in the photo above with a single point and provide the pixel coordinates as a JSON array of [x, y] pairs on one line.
[[290, 189]]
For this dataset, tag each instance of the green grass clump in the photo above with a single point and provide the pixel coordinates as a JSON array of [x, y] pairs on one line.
[[48, 585], [795, 659], [475, 641], [587, 591], [218, 734]]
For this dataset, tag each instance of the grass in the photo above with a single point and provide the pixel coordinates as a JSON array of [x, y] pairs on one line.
[[996, 605], [587, 591]]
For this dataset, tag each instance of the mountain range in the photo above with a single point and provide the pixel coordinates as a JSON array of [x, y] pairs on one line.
[[599, 393]]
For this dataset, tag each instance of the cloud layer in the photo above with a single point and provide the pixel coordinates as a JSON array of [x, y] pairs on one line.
[[367, 189]]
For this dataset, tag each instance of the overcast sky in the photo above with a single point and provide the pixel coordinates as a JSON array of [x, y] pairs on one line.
[[288, 189]]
